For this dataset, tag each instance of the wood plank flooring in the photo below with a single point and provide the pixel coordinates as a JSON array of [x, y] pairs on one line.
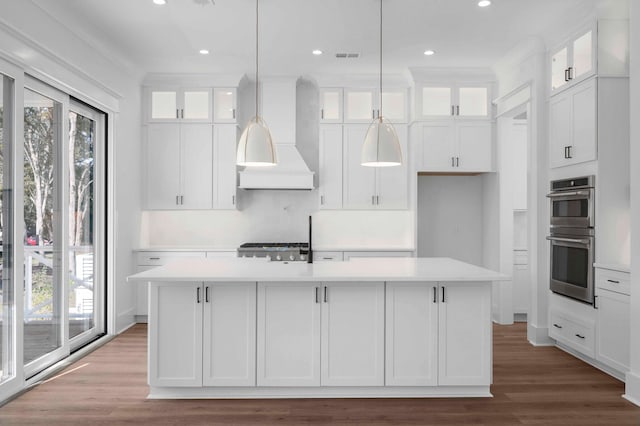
[[532, 386]]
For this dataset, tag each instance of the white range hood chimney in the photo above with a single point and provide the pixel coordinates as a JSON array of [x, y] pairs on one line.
[[278, 98]]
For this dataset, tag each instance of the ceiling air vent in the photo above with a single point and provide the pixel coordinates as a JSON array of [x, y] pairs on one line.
[[347, 55]]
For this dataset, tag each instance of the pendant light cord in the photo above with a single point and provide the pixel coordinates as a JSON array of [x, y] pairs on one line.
[[380, 112], [257, 59]]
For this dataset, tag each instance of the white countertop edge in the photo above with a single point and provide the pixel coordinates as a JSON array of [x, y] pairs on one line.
[[329, 248], [613, 266], [182, 249], [447, 279], [320, 248]]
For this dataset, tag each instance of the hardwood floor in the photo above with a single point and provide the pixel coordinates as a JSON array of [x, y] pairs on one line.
[[532, 386]]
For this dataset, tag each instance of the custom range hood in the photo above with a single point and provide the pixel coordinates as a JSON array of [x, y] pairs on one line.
[[278, 98]]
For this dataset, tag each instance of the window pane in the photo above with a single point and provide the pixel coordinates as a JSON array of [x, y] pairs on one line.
[[7, 363], [81, 223], [42, 307], [473, 101], [196, 105], [436, 101], [163, 105]]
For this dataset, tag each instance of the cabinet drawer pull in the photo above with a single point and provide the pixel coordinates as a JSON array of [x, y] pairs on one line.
[[154, 258], [557, 326], [579, 336], [327, 258], [613, 281]]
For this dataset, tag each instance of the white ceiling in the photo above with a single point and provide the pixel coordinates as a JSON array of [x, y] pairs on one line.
[[166, 39]]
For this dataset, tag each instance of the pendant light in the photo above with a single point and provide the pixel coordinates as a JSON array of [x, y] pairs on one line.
[[255, 147], [381, 146]]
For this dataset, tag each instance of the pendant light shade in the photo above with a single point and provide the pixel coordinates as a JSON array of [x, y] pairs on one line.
[[255, 147], [381, 146]]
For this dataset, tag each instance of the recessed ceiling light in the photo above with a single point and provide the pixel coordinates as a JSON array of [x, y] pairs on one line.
[[317, 52], [160, 2], [429, 52], [204, 52], [484, 3]]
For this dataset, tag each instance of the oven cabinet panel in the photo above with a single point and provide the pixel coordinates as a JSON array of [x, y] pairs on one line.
[[229, 334], [572, 125], [352, 334], [577, 333], [175, 334], [411, 334], [464, 335], [288, 336], [612, 345]]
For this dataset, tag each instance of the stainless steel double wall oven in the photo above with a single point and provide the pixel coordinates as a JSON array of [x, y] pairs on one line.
[[572, 237]]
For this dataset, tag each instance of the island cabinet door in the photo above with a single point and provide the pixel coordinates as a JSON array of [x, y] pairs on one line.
[[175, 334], [464, 346], [353, 334], [229, 334], [411, 334], [288, 336]]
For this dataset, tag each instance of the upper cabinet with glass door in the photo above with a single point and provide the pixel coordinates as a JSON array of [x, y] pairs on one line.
[[441, 100], [363, 105], [224, 105], [602, 48], [179, 105]]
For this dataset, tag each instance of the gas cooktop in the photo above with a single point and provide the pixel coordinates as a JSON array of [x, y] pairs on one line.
[[275, 251]]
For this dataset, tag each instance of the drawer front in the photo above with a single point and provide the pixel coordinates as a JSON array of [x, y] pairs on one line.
[[157, 258], [558, 327], [579, 335], [619, 282], [330, 256]]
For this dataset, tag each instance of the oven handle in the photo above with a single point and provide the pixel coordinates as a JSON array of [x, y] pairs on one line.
[[567, 194], [569, 240]]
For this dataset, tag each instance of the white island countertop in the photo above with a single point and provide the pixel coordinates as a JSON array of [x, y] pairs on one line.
[[360, 269]]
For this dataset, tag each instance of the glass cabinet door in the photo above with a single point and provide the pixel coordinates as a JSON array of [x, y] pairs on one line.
[[473, 102], [164, 105], [197, 105], [331, 105], [224, 105], [582, 55], [559, 65], [394, 106], [359, 106], [436, 101]]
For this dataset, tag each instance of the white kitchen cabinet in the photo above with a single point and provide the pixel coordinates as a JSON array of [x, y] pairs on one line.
[[363, 105], [225, 137], [573, 125], [573, 61], [179, 166], [456, 146], [612, 303], [411, 334], [521, 282], [229, 334], [330, 176], [175, 337], [574, 331], [372, 187], [453, 100], [224, 105], [328, 256], [353, 324], [202, 334], [331, 105], [146, 260], [464, 338], [178, 104], [288, 337]]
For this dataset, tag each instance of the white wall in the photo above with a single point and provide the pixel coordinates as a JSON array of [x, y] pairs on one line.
[[451, 217], [633, 377], [45, 49]]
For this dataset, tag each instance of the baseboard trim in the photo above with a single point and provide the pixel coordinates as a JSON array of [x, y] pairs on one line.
[[632, 388], [539, 336], [593, 362]]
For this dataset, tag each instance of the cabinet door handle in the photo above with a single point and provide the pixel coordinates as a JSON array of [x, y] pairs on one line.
[[326, 299], [233, 200], [613, 281], [595, 302], [557, 326], [181, 199], [565, 152], [206, 294], [177, 113], [579, 336], [373, 200], [566, 74], [457, 161], [177, 199], [198, 294], [443, 298], [317, 294], [569, 152], [322, 200], [453, 110], [377, 199], [457, 109], [373, 113], [435, 294], [453, 162], [570, 70], [233, 113], [322, 113], [182, 113]]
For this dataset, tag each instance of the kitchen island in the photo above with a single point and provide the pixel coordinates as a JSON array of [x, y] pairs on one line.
[[383, 327]]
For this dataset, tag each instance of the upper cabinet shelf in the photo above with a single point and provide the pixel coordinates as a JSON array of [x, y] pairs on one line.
[[195, 105]]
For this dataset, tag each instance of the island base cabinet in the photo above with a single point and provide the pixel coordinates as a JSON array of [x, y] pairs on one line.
[[464, 337], [202, 334], [175, 334]]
